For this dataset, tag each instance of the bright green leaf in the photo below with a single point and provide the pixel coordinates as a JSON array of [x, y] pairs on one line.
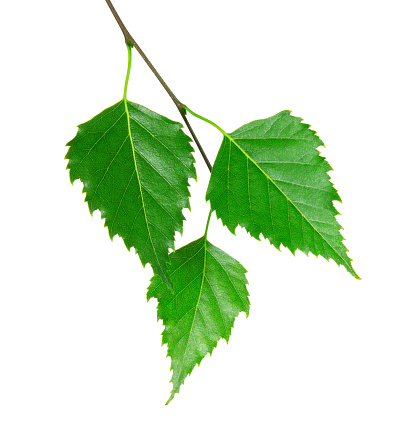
[[269, 178], [135, 166], [209, 292]]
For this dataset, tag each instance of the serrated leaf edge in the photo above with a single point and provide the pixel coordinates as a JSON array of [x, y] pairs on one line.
[[228, 332], [232, 140]]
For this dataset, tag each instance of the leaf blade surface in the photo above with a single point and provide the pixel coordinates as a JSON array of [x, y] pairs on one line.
[[209, 292], [269, 178], [135, 166]]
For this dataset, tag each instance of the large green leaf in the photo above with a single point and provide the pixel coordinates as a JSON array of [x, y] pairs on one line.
[[269, 178], [209, 292], [135, 166]]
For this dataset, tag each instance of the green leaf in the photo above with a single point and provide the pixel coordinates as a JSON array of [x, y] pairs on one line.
[[269, 178], [135, 166], [209, 292]]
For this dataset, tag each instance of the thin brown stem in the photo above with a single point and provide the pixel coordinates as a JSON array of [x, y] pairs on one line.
[[180, 106]]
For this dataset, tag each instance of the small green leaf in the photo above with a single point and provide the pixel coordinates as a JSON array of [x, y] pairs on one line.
[[269, 178], [135, 166], [209, 292]]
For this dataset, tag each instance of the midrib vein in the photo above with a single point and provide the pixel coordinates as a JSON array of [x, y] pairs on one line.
[[293, 204], [138, 179], [196, 308]]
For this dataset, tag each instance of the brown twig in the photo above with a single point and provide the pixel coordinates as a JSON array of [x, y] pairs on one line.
[[180, 106]]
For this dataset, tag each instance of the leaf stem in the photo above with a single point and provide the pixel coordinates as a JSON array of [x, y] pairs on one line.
[[129, 66], [130, 41], [206, 120], [207, 224]]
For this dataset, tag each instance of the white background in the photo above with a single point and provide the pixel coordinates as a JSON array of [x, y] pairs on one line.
[[80, 348]]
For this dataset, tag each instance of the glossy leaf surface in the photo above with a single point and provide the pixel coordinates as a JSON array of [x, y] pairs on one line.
[[135, 166], [269, 178], [209, 292]]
